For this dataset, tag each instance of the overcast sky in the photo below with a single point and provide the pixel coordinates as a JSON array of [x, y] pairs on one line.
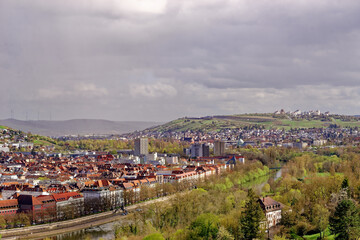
[[160, 60]]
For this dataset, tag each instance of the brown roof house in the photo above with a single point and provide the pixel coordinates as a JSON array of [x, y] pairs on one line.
[[272, 210]]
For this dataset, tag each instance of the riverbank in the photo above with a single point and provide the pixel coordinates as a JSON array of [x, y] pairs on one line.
[[52, 229]]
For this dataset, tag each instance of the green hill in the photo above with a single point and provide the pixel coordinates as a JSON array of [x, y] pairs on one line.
[[268, 121], [14, 135]]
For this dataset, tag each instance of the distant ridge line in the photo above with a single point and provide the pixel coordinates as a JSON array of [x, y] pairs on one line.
[[77, 126]]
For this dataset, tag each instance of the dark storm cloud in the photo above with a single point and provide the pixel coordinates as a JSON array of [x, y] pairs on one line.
[[158, 60]]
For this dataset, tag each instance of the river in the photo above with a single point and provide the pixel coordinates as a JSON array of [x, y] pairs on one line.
[[106, 231]]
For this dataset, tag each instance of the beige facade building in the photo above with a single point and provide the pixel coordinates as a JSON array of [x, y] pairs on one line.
[[272, 210]]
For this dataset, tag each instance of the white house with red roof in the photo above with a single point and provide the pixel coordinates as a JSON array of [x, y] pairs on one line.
[[69, 204], [102, 195]]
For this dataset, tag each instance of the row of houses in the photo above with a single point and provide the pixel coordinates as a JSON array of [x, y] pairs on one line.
[[57, 202], [44, 208]]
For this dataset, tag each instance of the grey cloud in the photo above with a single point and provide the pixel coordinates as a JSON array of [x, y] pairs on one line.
[[179, 58]]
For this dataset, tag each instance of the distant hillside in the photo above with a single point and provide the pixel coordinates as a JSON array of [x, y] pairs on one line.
[[217, 123], [76, 126]]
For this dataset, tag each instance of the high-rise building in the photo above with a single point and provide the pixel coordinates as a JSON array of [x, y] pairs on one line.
[[199, 150], [219, 148], [141, 146], [196, 150], [206, 150]]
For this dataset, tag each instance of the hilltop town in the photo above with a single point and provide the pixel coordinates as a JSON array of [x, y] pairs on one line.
[[288, 129]]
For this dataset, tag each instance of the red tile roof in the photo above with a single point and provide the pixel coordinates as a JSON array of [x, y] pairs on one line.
[[45, 198], [59, 197], [10, 203]]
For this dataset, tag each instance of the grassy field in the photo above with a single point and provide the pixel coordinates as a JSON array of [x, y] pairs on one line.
[[315, 236], [3, 127], [42, 143], [216, 123], [327, 174]]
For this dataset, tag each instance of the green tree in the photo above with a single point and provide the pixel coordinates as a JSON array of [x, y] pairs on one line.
[[154, 236], [251, 217], [320, 218], [288, 219], [231, 223], [223, 234], [345, 183], [2, 222], [180, 234], [279, 237], [345, 222], [206, 226], [345, 186], [266, 188]]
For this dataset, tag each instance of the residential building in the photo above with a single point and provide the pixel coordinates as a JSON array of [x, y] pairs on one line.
[[141, 146], [9, 207], [69, 205], [199, 150], [42, 208], [300, 145], [319, 142], [219, 148], [272, 210], [172, 159], [102, 195]]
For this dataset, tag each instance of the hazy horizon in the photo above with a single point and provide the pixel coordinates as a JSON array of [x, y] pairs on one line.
[[159, 60], [103, 119], [71, 119]]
